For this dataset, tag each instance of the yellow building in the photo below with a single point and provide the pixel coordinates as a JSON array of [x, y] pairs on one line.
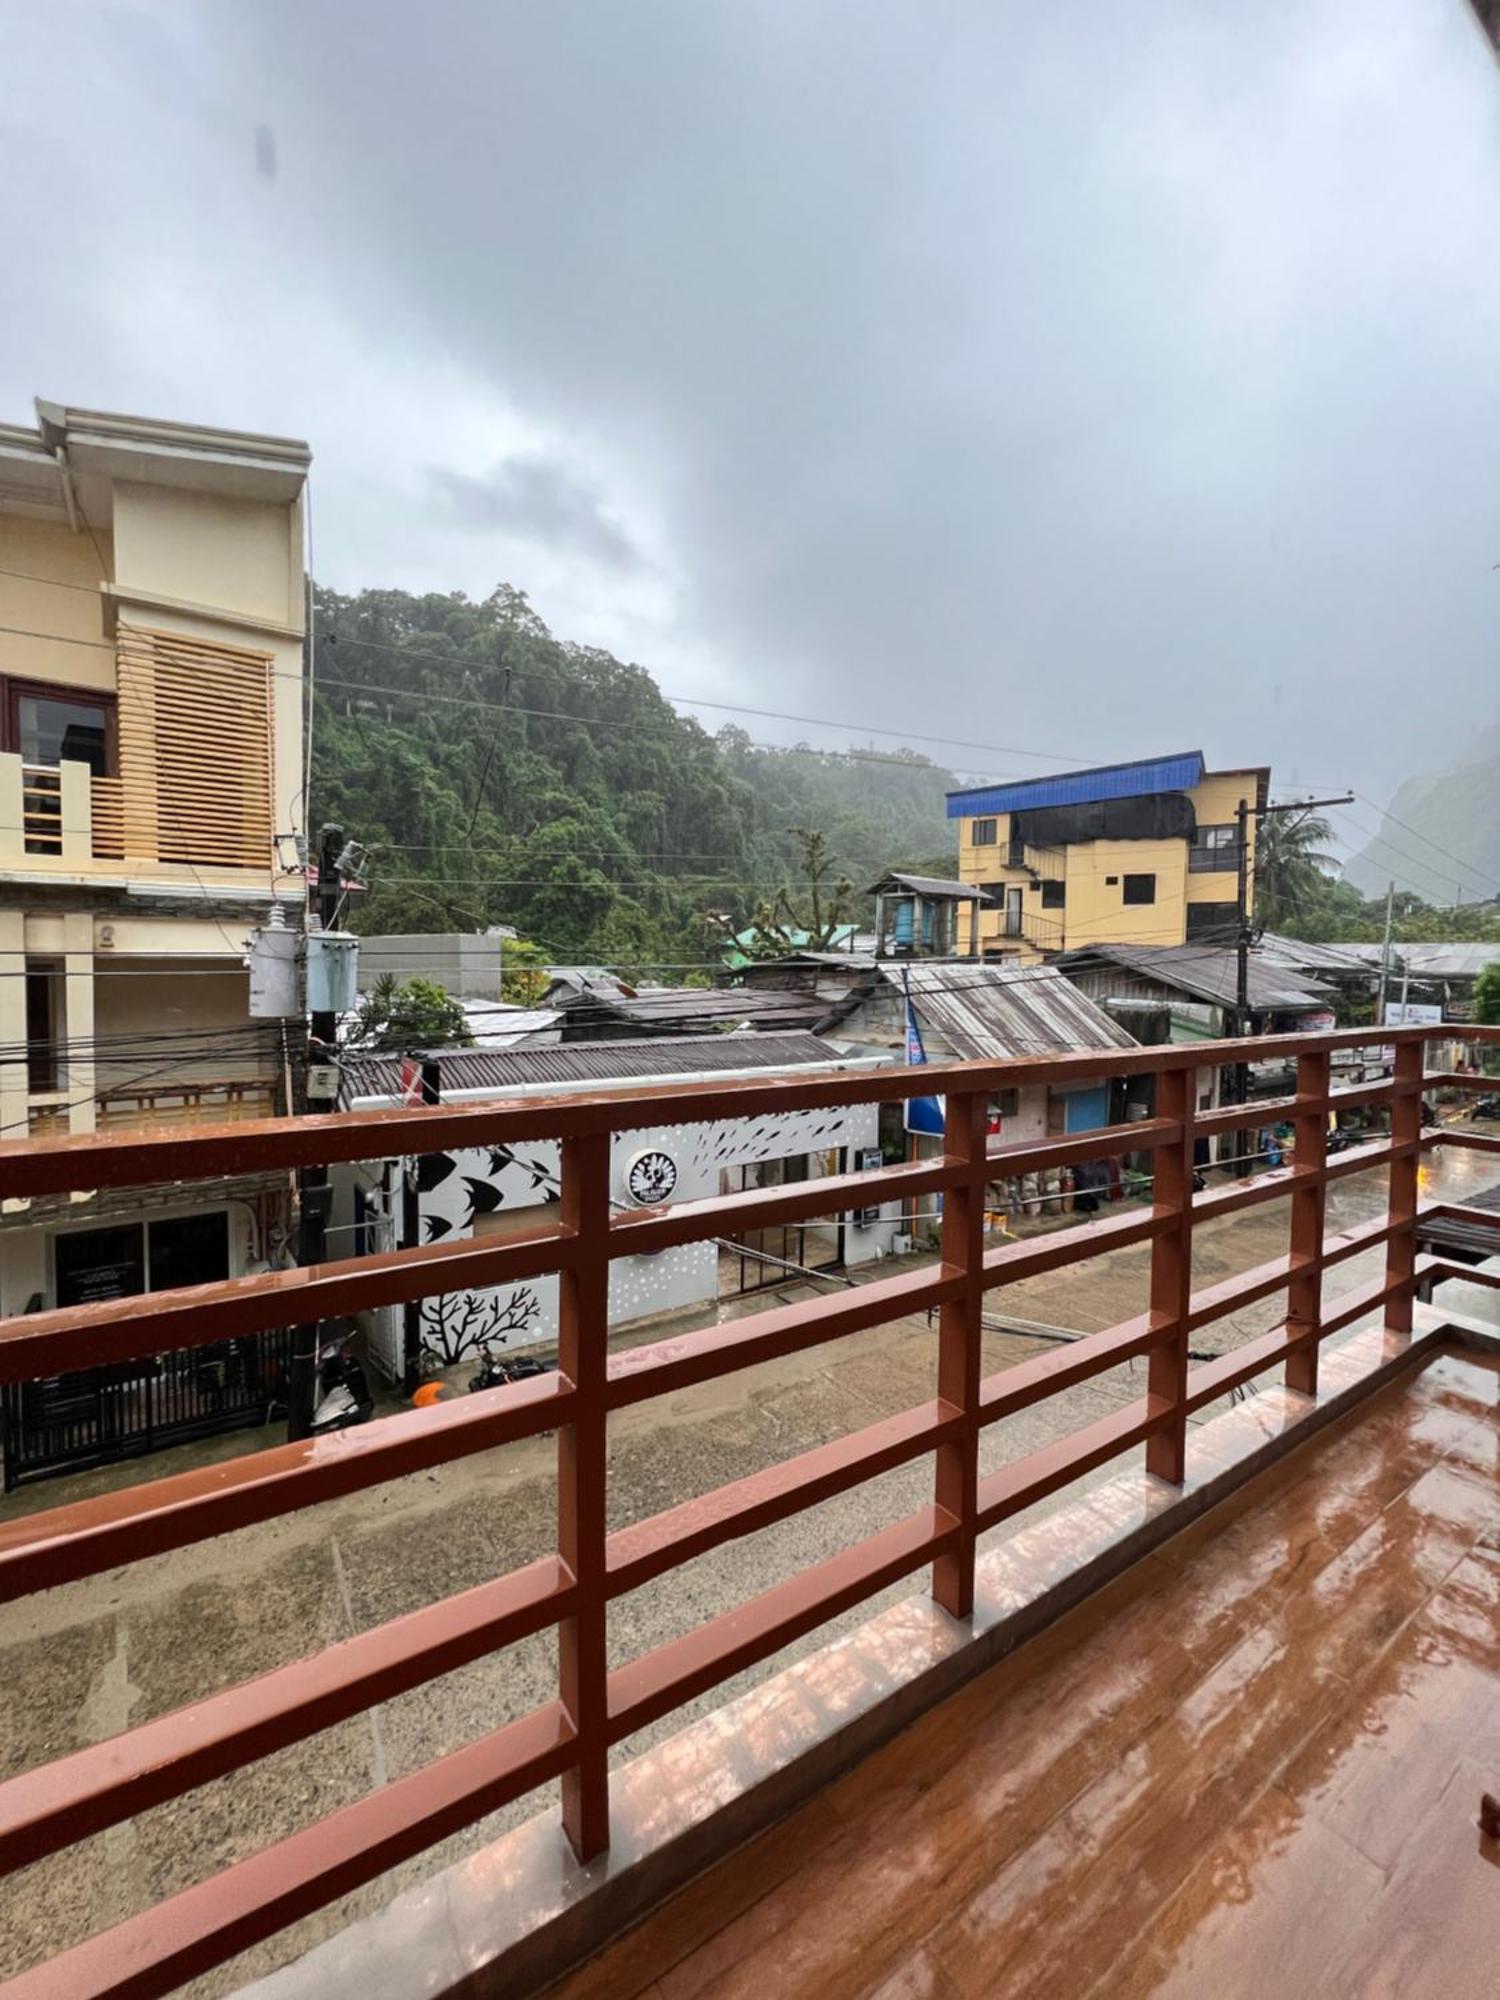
[[1139, 853], [152, 594]]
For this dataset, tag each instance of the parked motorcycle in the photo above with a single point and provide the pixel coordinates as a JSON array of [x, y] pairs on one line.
[[495, 1373], [344, 1398]]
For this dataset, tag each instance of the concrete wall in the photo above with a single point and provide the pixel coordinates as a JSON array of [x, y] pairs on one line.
[[465, 965], [484, 1182], [26, 1268], [240, 556]]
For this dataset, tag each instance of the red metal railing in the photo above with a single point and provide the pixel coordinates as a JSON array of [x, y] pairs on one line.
[[570, 1738]]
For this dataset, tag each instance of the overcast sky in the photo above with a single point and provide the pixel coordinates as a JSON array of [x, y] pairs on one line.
[[1087, 380]]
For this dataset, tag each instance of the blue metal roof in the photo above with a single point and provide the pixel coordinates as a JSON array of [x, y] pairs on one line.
[[1081, 788]]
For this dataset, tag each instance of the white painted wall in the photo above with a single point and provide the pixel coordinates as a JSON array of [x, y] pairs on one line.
[[487, 1180]]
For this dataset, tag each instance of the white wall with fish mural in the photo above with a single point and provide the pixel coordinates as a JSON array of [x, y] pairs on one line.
[[458, 1193]]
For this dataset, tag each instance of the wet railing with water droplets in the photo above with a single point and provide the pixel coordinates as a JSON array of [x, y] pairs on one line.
[[595, 1706]]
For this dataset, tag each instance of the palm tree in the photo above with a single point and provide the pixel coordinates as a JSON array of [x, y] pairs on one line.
[[1291, 867]]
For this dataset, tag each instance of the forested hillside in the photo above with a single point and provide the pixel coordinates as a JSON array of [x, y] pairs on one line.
[[501, 775]]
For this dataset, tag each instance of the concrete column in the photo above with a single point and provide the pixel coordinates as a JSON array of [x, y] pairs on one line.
[[13, 1091], [78, 988], [12, 834], [77, 812]]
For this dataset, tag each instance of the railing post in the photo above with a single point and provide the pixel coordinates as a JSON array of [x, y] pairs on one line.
[[1310, 1144], [1172, 1274], [960, 1334], [1406, 1125], [583, 1326]]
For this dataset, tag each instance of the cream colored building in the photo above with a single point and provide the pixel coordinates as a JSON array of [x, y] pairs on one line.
[[1145, 853], [152, 607]]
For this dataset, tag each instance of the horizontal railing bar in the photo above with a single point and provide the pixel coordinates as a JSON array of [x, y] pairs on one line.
[[1471, 1142], [1360, 1159], [1040, 1472], [1230, 1117], [1035, 1256], [1246, 1287], [1460, 1079], [1216, 1378], [87, 1536], [1275, 1110], [1459, 1211], [154, 1953], [1440, 1269], [663, 1366], [87, 1161], [49, 1807], [1355, 1096], [1044, 1375], [659, 1681], [111, 1330], [1026, 1156], [1273, 1185], [649, 1548], [646, 1231]]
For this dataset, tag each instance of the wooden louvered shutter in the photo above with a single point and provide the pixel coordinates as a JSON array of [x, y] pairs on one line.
[[195, 750]]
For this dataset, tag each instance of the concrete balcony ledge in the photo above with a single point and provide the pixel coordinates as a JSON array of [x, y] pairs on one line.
[[520, 1913]]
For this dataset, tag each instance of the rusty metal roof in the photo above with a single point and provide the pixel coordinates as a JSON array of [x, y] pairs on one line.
[[569, 1063], [686, 1009], [1208, 974], [993, 1010]]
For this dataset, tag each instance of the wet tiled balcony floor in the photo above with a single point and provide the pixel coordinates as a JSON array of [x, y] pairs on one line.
[[1251, 1765]]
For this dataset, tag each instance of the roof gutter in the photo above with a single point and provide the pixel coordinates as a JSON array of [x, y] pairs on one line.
[[383, 1100]]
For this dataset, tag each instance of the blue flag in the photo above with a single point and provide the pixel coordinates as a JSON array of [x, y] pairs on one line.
[[923, 1114]]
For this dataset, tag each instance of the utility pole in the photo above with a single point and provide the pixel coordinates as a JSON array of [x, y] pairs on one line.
[[1385, 956], [315, 1190], [1244, 813]]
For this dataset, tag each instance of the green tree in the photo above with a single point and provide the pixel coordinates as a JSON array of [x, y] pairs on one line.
[[523, 972], [1292, 868], [417, 1015], [808, 919], [1487, 995]]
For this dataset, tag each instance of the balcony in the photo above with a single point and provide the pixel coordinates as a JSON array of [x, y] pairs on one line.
[[1124, 1705], [212, 1101]]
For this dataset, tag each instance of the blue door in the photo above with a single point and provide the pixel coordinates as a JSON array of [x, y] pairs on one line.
[[1087, 1109]]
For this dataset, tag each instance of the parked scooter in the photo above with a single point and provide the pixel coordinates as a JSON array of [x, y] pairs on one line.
[[344, 1397], [495, 1373]]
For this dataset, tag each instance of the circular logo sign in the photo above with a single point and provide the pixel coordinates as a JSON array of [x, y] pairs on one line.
[[651, 1177]]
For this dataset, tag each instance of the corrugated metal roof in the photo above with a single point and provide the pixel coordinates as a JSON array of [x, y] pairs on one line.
[[712, 1006], [572, 1063], [1178, 773], [1208, 974], [1314, 958], [1434, 961], [990, 1011], [929, 885], [495, 1024]]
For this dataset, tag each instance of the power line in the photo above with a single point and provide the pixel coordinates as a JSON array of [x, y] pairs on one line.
[[1468, 867]]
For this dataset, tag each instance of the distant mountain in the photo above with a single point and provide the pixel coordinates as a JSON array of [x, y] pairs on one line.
[[1457, 810]]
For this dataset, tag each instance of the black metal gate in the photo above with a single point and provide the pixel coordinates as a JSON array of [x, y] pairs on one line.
[[761, 1258], [97, 1416]]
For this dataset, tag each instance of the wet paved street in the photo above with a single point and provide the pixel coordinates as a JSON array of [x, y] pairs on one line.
[[81, 1663]]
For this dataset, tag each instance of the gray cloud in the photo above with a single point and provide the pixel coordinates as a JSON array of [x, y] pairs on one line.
[[536, 500], [1086, 380]]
